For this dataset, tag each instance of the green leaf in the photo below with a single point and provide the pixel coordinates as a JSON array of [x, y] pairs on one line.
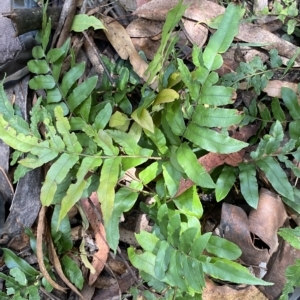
[[222, 38], [71, 77], [44, 155], [103, 117], [277, 110], [143, 118], [126, 141], [56, 174], [72, 271], [9, 114], [82, 22], [248, 182], [216, 117], [38, 52], [225, 182], [75, 190], [19, 276], [193, 273], [173, 17], [55, 54], [158, 138], [223, 248], [81, 92], [61, 231], [106, 190], [144, 262], [172, 178], [194, 170], [176, 271], [150, 172], [162, 259], [120, 121], [63, 127], [147, 240], [53, 95], [189, 203], [216, 95], [38, 66], [276, 176], [187, 79], [122, 81], [174, 116], [290, 99], [291, 235], [124, 201], [18, 142], [212, 141], [42, 82], [106, 143], [165, 96], [13, 261], [230, 271], [46, 34], [199, 244]]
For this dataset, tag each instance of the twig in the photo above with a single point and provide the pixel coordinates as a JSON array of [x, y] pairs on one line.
[[99, 57]]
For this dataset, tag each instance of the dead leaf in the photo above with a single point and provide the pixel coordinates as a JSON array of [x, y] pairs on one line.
[[234, 225], [195, 32], [39, 249], [120, 40], [224, 292], [269, 216], [284, 257], [273, 88], [93, 214], [143, 28]]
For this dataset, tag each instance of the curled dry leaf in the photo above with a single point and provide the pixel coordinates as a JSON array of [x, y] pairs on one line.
[[39, 249], [235, 228], [269, 216], [255, 234], [120, 40], [93, 214]]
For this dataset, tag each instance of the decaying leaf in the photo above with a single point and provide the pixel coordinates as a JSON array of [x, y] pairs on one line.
[[120, 40], [92, 211]]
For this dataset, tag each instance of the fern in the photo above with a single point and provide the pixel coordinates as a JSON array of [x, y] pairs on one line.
[[173, 254]]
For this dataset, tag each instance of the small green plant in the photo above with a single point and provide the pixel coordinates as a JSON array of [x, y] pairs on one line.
[[285, 10], [24, 281]]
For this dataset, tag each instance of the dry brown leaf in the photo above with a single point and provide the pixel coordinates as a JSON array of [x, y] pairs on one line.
[[120, 40], [39, 249], [195, 32], [269, 216], [273, 88], [234, 225], [58, 268], [93, 215], [144, 28], [224, 292]]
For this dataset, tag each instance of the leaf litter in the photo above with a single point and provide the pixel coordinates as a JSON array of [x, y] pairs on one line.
[[254, 229]]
